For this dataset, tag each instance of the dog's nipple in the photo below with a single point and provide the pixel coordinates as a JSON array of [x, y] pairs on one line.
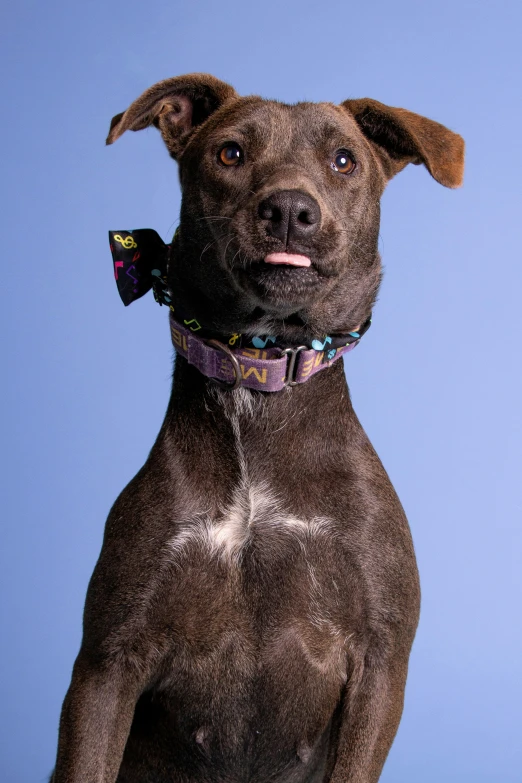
[[304, 752], [201, 735]]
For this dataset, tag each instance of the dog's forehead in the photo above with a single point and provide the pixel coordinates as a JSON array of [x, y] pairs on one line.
[[278, 124]]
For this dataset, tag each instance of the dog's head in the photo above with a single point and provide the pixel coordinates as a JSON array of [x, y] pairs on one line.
[[280, 204]]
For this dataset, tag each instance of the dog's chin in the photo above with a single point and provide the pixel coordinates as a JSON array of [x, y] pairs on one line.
[[281, 288]]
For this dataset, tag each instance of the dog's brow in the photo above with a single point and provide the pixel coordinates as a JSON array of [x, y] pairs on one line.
[[324, 132], [247, 131]]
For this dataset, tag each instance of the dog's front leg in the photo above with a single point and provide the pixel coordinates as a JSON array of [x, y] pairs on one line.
[[371, 713], [95, 722]]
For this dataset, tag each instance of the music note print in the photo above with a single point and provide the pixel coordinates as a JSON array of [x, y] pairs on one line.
[[317, 345], [259, 342], [134, 279]]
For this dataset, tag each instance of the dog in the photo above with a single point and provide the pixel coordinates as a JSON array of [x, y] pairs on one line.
[[251, 615]]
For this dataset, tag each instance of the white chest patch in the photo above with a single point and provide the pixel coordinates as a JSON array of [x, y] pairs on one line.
[[254, 509]]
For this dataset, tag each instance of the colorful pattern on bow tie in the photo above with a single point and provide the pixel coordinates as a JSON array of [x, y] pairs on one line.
[[140, 261]]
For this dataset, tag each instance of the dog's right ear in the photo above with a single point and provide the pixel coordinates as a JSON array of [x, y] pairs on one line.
[[176, 106]]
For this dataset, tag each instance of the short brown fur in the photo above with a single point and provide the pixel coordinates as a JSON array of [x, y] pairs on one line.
[[252, 611]]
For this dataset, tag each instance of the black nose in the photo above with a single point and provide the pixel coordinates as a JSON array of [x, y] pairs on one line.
[[292, 216]]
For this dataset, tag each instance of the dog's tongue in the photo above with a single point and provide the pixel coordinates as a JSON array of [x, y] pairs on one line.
[[291, 259]]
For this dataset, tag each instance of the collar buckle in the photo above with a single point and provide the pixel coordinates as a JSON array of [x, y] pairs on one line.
[[236, 383], [291, 370]]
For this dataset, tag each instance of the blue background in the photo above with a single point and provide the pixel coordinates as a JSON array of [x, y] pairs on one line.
[[436, 382]]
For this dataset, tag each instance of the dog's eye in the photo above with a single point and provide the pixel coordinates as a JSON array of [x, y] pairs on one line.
[[343, 162], [231, 154]]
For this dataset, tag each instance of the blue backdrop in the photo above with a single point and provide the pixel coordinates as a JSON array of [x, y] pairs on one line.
[[436, 382]]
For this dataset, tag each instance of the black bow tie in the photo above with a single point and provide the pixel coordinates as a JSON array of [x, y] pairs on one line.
[[140, 263]]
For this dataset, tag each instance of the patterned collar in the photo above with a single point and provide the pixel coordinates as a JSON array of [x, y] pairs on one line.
[[140, 260]]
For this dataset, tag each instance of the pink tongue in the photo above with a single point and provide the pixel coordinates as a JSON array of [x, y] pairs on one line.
[[290, 259]]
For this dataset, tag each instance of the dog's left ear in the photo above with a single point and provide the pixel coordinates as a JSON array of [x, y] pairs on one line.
[[176, 106], [400, 137]]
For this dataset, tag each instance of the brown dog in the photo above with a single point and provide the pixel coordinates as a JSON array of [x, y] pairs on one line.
[[253, 608]]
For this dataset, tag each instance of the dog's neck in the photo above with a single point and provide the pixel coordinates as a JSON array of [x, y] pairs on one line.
[[321, 407], [286, 439]]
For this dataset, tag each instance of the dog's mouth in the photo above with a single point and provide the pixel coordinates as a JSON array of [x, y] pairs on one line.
[[283, 280], [289, 281], [288, 259]]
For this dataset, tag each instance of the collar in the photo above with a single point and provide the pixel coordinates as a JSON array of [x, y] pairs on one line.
[[140, 260]]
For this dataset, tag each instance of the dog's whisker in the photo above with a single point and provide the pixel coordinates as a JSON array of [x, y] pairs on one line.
[[213, 217], [167, 232], [212, 242], [207, 247], [236, 255], [232, 237]]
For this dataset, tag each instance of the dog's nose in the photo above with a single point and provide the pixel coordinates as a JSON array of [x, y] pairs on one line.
[[291, 214]]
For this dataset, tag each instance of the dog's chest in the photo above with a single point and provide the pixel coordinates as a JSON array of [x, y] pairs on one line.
[[258, 592], [258, 613], [259, 609]]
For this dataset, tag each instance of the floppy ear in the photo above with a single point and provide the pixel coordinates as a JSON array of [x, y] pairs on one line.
[[400, 137], [175, 106]]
